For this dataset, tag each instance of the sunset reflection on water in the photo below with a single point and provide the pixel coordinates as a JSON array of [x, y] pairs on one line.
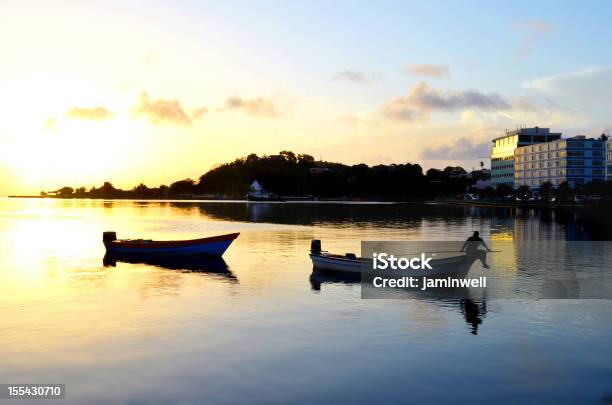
[[233, 334]]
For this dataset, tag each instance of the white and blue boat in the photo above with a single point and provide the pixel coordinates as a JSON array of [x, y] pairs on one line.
[[212, 246]]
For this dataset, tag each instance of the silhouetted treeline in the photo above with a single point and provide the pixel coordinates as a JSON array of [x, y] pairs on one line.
[[288, 174], [596, 191]]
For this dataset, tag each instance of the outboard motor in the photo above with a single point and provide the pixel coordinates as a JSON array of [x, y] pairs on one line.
[[315, 246], [108, 237]]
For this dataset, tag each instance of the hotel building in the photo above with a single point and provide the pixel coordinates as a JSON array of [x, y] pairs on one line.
[[502, 154], [577, 160], [609, 160]]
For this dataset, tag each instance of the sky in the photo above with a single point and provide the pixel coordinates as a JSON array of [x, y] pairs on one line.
[[154, 92]]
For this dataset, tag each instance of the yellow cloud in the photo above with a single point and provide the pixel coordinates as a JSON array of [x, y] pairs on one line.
[[259, 106], [429, 70], [84, 113], [166, 111]]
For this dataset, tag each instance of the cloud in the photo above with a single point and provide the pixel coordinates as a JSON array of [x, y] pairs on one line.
[[523, 103], [166, 111], [535, 26], [50, 125], [532, 31], [357, 77], [199, 112], [423, 99], [585, 86], [429, 70], [258, 107], [356, 120], [85, 113], [463, 148]]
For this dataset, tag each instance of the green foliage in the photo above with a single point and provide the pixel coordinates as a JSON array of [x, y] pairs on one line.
[[564, 193], [291, 174], [546, 189], [523, 192], [504, 190]]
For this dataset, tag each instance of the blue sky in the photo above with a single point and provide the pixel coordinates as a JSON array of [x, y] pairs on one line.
[[374, 82]]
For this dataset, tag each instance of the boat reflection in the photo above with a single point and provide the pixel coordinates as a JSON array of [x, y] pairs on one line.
[[318, 277], [196, 264], [473, 310]]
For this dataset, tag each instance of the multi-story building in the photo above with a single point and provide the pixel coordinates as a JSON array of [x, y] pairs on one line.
[[609, 160], [502, 154], [577, 160]]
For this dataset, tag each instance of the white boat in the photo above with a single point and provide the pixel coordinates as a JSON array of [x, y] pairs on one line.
[[351, 264]]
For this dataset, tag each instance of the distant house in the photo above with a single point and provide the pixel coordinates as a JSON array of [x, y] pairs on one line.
[[256, 186], [257, 191]]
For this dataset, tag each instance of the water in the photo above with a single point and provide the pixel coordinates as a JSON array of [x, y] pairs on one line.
[[264, 331]]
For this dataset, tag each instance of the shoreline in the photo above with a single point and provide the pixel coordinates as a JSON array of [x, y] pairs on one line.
[[293, 200], [516, 204]]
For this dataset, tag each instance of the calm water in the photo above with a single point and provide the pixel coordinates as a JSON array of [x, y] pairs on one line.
[[263, 330]]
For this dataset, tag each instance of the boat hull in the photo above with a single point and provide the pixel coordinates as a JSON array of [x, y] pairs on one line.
[[455, 265], [214, 246]]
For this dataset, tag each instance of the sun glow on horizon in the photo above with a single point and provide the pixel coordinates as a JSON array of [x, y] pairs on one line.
[[139, 92]]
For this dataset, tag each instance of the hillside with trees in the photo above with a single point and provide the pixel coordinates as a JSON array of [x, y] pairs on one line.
[[300, 175]]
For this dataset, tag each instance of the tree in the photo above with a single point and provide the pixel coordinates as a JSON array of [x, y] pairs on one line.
[[252, 158], [546, 188], [523, 192], [503, 190], [289, 156], [454, 170], [301, 175], [596, 187], [108, 191], [80, 192], [305, 159], [488, 192], [65, 192], [182, 187], [564, 192], [435, 175], [164, 191], [141, 191]]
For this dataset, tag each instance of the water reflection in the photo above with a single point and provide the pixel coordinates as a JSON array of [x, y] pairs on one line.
[[584, 224], [205, 265], [198, 333], [317, 278], [473, 310], [474, 313]]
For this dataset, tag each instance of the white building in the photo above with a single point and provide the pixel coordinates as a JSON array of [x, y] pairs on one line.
[[609, 159], [502, 154], [257, 190], [576, 160]]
